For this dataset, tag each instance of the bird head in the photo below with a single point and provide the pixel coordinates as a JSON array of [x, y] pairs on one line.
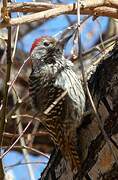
[[45, 42], [44, 51]]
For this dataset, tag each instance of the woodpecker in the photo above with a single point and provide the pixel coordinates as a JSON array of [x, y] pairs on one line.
[[52, 75]]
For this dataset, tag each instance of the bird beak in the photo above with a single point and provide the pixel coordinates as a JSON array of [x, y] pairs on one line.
[[59, 44], [63, 41]]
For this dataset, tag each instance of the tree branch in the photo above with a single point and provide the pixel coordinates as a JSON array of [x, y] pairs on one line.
[[38, 6], [59, 10], [5, 97]]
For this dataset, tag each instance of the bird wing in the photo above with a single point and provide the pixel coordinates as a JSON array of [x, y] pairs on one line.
[[75, 99]]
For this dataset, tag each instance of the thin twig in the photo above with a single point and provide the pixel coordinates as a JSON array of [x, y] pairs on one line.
[[26, 115], [22, 142], [55, 103], [95, 48], [35, 129], [38, 134], [15, 43], [30, 149], [12, 83], [4, 154], [24, 163]]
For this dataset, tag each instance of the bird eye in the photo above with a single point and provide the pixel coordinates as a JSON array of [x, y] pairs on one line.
[[46, 43]]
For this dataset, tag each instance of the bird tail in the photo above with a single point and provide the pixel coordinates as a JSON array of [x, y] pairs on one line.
[[70, 151], [73, 158], [67, 143]]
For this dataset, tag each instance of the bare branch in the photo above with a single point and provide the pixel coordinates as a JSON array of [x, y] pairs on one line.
[[62, 9], [30, 149], [16, 140], [39, 6]]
